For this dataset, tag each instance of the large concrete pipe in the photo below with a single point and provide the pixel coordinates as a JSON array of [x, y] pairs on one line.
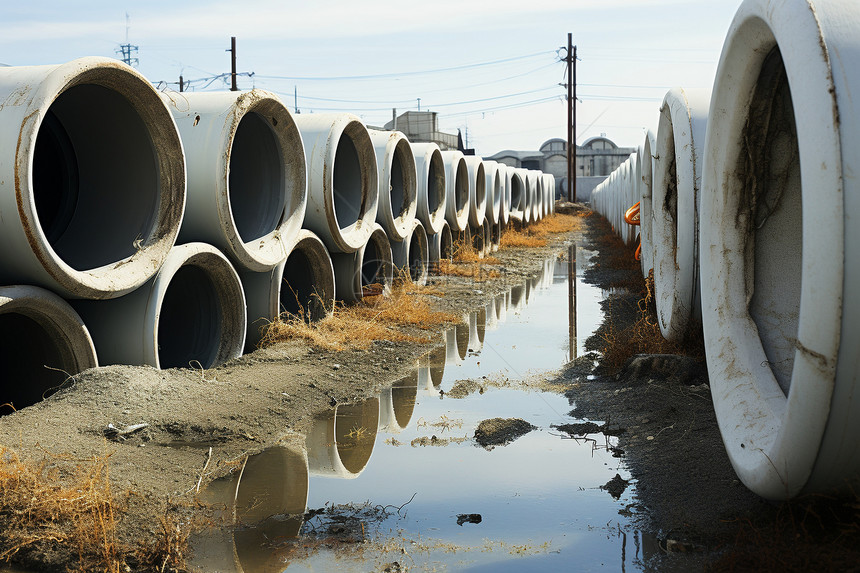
[[646, 162], [42, 342], [370, 268], [411, 255], [456, 190], [496, 237], [675, 196], [398, 182], [630, 195], [397, 403], [494, 181], [264, 500], [432, 190], [343, 186], [535, 187], [303, 285], [487, 231], [781, 311], [191, 313], [92, 178], [440, 246], [477, 189], [517, 201], [341, 441], [506, 173], [247, 190]]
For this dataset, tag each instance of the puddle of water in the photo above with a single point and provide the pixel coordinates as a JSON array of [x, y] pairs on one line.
[[404, 498]]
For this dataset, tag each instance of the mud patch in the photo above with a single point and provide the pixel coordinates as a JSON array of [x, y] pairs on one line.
[[464, 388], [501, 431]]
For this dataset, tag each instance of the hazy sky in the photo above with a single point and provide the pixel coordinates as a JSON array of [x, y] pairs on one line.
[[491, 69]]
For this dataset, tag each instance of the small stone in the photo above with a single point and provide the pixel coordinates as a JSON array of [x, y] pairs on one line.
[[335, 366]]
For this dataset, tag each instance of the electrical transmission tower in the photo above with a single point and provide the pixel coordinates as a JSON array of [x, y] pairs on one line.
[[128, 50]]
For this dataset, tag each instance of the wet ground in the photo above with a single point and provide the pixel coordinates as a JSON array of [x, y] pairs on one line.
[[399, 481]]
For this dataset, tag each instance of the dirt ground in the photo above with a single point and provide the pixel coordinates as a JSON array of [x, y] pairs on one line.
[[658, 406]]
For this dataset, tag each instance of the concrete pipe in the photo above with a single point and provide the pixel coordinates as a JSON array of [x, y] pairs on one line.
[[42, 342], [780, 246], [496, 237], [343, 186], [341, 441], [506, 173], [629, 195], [247, 191], [646, 162], [397, 403], [517, 195], [487, 231], [411, 255], [440, 246], [494, 190], [190, 314], [477, 189], [368, 270], [303, 285], [92, 178], [456, 190], [432, 191], [264, 499], [675, 196], [398, 182], [535, 187]]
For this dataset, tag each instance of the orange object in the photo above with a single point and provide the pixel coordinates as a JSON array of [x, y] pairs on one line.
[[632, 214]]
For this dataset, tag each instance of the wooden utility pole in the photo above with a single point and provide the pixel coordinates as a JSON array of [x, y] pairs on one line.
[[232, 50], [573, 128], [571, 119]]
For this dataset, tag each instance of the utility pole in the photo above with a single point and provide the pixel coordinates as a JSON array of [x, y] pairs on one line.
[[571, 119], [232, 50], [296, 99], [573, 129], [419, 104], [181, 84]]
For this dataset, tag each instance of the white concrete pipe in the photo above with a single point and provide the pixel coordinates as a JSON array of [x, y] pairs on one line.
[[477, 189], [506, 174], [397, 403], [496, 237], [411, 255], [247, 189], [495, 181], [630, 194], [343, 186], [370, 266], [646, 162], [432, 190], [487, 232], [674, 200], [517, 194], [42, 342], [341, 441], [457, 190], [303, 284], [92, 178], [398, 182], [535, 191], [192, 312], [440, 246], [781, 311]]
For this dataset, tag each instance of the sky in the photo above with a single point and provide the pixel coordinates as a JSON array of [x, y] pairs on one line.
[[493, 70]]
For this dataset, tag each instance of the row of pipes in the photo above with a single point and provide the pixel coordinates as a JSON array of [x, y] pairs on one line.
[[746, 197], [168, 229]]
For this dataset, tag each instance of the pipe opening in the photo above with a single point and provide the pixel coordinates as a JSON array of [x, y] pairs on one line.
[[96, 178], [257, 180], [772, 194], [497, 192], [348, 181], [516, 190], [299, 291], [478, 239], [190, 319], [435, 183], [461, 187], [26, 348], [373, 267], [417, 257], [446, 244], [400, 181], [480, 185]]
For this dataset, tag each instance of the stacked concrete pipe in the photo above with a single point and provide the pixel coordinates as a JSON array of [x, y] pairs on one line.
[[411, 255], [506, 173], [517, 203], [303, 285], [494, 191], [432, 191], [92, 178], [457, 190], [646, 162], [370, 266], [440, 246], [42, 342], [398, 182], [781, 263], [190, 314], [675, 196], [343, 185], [477, 189]]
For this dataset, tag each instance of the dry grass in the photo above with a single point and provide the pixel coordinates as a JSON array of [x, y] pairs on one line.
[[467, 262], [376, 317], [642, 336], [72, 514], [537, 234]]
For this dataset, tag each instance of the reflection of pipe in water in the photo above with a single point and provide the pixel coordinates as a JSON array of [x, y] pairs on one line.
[[477, 328], [501, 304], [397, 403], [461, 332], [341, 440], [518, 295], [265, 501], [452, 351], [492, 316], [436, 365]]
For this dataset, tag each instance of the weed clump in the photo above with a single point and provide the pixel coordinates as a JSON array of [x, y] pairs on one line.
[[467, 262], [537, 234]]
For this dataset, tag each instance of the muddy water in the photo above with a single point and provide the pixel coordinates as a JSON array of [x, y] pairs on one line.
[[398, 482]]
